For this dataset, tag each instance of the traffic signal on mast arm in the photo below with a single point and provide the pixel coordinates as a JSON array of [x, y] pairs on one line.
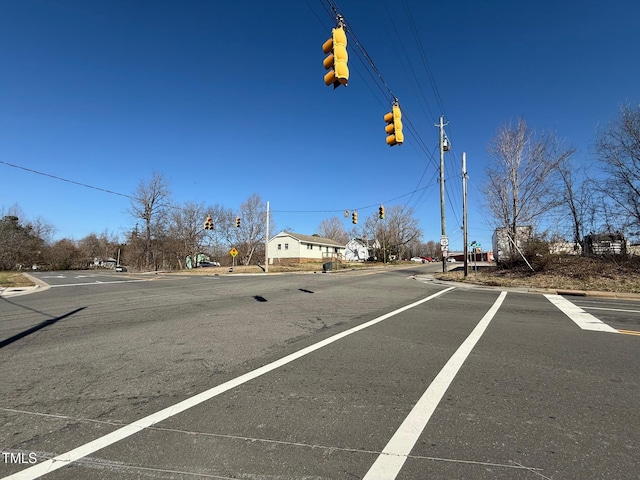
[[381, 212], [336, 62], [237, 222], [354, 217], [394, 126], [208, 223]]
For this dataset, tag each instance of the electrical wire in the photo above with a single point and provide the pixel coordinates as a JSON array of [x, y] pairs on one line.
[[66, 180]]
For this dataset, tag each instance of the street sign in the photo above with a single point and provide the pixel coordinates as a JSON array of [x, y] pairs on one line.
[[444, 241], [233, 252]]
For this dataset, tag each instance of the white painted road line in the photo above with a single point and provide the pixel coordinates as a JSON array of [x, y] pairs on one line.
[[390, 461], [97, 282], [611, 309], [64, 459], [584, 320]]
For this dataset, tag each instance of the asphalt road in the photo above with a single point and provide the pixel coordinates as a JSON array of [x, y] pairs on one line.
[[314, 376]]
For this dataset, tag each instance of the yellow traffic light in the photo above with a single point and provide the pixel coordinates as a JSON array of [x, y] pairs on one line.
[[208, 224], [394, 126], [336, 62], [237, 222], [381, 212], [354, 218]]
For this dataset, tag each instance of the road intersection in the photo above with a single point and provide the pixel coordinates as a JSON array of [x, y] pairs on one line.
[[327, 376]]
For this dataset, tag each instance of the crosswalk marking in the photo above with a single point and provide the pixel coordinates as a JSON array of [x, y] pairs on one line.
[[584, 320]]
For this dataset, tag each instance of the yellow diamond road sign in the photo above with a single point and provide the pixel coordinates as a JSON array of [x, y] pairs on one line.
[[233, 252]]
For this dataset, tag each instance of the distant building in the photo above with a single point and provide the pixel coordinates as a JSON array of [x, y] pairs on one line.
[[567, 248], [503, 246], [604, 244], [287, 247], [360, 250]]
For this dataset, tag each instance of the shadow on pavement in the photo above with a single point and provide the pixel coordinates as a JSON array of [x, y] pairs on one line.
[[40, 326]]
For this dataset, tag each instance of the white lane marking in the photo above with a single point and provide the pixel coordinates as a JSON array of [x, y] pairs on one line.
[[611, 309], [390, 461], [584, 320], [97, 282], [64, 459]]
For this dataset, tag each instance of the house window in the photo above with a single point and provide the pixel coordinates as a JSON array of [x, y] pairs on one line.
[[286, 246], [279, 246], [309, 246], [335, 249]]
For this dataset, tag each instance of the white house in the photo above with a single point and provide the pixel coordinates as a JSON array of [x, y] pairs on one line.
[[360, 250], [502, 242], [287, 247]]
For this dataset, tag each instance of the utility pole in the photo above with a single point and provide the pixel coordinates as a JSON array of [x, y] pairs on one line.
[[444, 241], [464, 212], [266, 244]]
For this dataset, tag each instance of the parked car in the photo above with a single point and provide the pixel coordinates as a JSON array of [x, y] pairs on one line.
[[451, 259], [204, 263], [120, 268], [418, 259]]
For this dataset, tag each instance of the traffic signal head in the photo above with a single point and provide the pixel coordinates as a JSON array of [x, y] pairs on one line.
[[394, 126], [208, 224], [336, 61], [237, 222], [381, 212], [354, 218]]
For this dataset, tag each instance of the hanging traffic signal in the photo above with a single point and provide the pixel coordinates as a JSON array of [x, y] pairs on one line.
[[237, 222], [381, 212], [394, 126], [336, 62], [354, 218], [208, 224]]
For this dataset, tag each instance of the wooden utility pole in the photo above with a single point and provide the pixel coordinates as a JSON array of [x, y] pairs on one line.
[[443, 225], [464, 213], [266, 244]]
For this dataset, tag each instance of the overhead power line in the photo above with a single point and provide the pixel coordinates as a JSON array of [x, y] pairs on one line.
[[66, 180], [111, 192]]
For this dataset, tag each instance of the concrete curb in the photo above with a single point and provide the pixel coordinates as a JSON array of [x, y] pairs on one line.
[[541, 291], [39, 286]]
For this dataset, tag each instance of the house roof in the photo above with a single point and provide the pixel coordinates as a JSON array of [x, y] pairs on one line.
[[365, 242], [310, 239]]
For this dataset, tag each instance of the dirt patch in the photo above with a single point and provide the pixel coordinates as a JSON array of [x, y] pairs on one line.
[[560, 272]]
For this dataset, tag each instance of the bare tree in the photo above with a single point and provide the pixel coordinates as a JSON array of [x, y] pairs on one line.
[[249, 238], [149, 203], [186, 231], [395, 233], [522, 182], [333, 228], [581, 202], [618, 150]]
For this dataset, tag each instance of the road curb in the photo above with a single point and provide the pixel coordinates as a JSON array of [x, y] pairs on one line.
[[39, 286], [542, 291]]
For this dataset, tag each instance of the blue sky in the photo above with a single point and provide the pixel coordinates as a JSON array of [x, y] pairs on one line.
[[226, 98]]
